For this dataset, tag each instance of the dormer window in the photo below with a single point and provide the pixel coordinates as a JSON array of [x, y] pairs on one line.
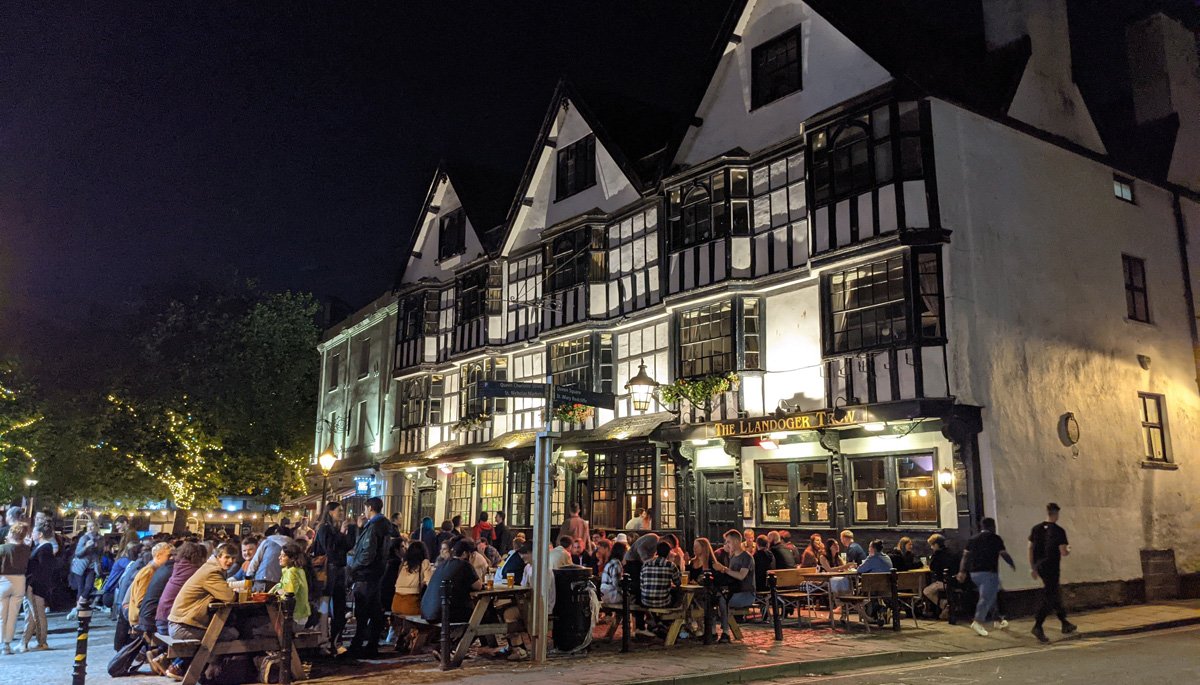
[[452, 234], [775, 69], [576, 168]]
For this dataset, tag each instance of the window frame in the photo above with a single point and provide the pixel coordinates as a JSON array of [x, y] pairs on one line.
[[914, 290], [454, 494], [567, 181], [1124, 183], [1149, 427], [892, 489], [490, 369], [793, 491], [720, 199], [471, 293], [483, 473], [520, 483], [412, 410], [569, 258], [760, 94], [452, 234], [411, 325], [333, 371], [1133, 291], [364, 358]]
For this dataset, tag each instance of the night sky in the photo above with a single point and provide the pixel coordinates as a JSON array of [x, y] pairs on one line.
[[147, 144]]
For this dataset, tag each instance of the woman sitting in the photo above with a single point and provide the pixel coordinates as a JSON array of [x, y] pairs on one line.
[[610, 579], [414, 575]]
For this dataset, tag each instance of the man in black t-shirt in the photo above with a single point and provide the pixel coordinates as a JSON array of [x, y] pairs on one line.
[[462, 582], [982, 560], [1047, 546]]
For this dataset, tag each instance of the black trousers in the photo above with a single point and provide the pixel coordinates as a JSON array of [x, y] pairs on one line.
[[335, 587], [368, 612], [1051, 598]]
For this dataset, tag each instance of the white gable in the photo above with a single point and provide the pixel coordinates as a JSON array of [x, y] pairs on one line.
[[833, 70], [612, 191], [423, 261]]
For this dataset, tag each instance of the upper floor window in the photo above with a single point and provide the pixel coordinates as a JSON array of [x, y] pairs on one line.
[[412, 318], [569, 259], [582, 362], [452, 234], [1137, 303], [1154, 443], [860, 152], [1123, 188], [775, 69], [879, 305], [710, 207], [712, 338], [778, 189], [334, 371], [472, 295], [364, 357], [576, 168], [471, 402]]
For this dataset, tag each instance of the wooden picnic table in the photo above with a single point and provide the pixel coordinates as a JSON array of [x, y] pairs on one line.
[[484, 600], [210, 647]]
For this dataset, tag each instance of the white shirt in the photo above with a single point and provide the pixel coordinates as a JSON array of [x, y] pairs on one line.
[[559, 557]]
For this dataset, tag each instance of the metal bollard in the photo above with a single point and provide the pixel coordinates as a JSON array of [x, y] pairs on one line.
[[894, 599], [773, 585], [445, 625], [626, 582], [710, 598], [287, 610], [81, 642]]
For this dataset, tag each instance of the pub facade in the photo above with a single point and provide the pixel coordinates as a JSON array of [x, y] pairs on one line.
[[854, 282]]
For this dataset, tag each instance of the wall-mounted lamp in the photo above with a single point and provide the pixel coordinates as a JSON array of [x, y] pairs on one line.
[[768, 444], [446, 469], [874, 427], [946, 479], [642, 388]]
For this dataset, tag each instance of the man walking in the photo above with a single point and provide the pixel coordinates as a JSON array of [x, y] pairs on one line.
[[982, 559], [1047, 546], [366, 570]]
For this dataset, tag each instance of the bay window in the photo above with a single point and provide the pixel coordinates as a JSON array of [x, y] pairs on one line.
[[891, 302], [710, 207], [721, 337], [471, 402]]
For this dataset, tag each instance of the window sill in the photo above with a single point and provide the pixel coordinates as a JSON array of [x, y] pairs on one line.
[[1160, 465], [1148, 324]]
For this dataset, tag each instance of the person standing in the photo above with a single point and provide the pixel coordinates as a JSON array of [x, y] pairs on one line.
[[333, 543], [86, 564], [1047, 546], [366, 572], [574, 527], [483, 530], [982, 559], [39, 584], [14, 562], [501, 539]]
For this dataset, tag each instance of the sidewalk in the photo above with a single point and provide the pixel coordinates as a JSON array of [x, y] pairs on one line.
[[690, 662]]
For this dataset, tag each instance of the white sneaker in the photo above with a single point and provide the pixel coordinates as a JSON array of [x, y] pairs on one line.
[[1002, 624], [7, 649], [977, 627]]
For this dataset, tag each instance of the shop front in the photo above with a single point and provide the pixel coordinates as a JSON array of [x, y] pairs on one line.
[[883, 471]]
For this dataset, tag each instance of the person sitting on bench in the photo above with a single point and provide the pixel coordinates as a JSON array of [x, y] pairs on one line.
[[659, 579], [189, 617], [741, 572], [462, 582]]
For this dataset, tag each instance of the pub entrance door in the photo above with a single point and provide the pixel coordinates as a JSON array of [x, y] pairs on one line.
[[426, 506], [720, 505]]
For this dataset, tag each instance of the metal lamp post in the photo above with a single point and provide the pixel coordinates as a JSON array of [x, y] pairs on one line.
[[642, 388], [31, 483], [326, 462]]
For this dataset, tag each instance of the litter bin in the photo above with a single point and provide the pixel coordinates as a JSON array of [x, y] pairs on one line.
[[572, 607]]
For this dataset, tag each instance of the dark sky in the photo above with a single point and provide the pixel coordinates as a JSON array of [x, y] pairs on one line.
[[148, 143]]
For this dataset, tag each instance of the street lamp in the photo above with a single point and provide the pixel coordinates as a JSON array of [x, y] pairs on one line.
[[642, 387], [31, 483], [326, 461]]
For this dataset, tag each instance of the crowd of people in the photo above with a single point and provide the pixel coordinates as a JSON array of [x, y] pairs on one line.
[[164, 583]]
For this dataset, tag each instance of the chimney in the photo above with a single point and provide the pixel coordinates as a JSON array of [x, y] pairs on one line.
[[1165, 77], [1047, 97]]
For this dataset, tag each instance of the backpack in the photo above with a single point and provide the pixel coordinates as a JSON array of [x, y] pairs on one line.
[[129, 659]]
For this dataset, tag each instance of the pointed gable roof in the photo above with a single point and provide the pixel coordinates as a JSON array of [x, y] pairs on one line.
[[482, 191], [639, 136]]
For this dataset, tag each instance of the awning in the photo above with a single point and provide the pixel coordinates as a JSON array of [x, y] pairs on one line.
[[625, 428], [302, 502], [502, 446]]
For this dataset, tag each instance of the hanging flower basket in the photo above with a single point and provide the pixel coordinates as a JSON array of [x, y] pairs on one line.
[[470, 423], [699, 391], [573, 413]]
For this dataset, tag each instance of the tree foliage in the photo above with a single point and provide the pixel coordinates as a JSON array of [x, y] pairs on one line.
[[19, 417]]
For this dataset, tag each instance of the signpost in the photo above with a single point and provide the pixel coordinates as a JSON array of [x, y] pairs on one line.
[[543, 486]]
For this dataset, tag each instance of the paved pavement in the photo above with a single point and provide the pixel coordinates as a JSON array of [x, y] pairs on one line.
[[1169, 656], [690, 662]]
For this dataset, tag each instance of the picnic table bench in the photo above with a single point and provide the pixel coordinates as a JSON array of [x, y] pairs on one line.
[[204, 649], [678, 615], [456, 637]]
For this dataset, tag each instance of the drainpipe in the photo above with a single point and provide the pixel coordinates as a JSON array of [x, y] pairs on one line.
[[1181, 232]]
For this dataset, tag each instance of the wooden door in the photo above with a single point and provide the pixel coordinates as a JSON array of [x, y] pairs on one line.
[[720, 505]]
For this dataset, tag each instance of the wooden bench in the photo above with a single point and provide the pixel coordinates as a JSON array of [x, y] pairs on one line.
[[871, 587], [427, 631], [184, 649], [676, 616]]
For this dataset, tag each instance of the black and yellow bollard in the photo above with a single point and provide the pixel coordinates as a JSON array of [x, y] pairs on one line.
[[81, 642]]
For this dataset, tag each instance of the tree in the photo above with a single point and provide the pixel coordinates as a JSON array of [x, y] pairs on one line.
[[18, 416]]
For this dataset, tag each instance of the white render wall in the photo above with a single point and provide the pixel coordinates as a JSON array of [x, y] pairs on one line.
[[445, 198], [1036, 319], [833, 70], [792, 340]]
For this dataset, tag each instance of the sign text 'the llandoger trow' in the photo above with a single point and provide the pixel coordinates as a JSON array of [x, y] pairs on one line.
[[797, 422]]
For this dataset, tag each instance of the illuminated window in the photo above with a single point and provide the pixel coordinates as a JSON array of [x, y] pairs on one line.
[[491, 490], [794, 493], [1154, 444], [1123, 188], [667, 496], [521, 485], [458, 495], [894, 490]]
